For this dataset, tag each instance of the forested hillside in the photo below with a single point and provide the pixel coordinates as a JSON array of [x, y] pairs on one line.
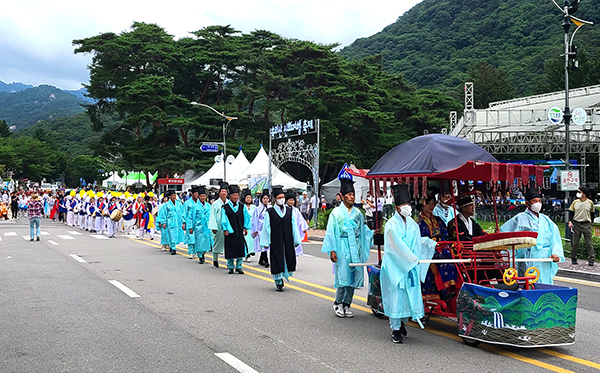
[[436, 42], [24, 108]]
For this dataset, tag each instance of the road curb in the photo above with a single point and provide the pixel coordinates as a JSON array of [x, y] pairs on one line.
[[580, 275], [315, 238]]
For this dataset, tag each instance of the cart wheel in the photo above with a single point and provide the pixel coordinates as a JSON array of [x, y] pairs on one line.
[[470, 342], [377, 313]]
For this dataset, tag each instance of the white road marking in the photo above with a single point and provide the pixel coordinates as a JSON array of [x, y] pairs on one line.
[[124, 289], [78, 258], [308, 255], [74, 233], [65, 237], [53, 242], [99, 237], [26, 238], [234, 362], [0, 239], [42, 233], [577, 281], [10, 234], [9, 257]]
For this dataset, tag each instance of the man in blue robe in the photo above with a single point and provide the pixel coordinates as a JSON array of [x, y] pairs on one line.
[[170, 221], [347, 240], [214, 223], [443, 210], [280, 235], [235, 223], [549, 244], [401, 274], [188, 216], [198, 226]]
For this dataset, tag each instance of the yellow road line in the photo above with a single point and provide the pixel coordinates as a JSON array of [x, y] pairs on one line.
[[486, 347], [577, 281], [574, 359]]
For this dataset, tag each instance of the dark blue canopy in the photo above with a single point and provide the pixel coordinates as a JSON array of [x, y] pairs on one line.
[[429, 154]]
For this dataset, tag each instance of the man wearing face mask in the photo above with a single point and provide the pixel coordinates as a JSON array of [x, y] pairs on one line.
[[581, 224], [401, 274], [235, 222], [549, 244], [467, 226], [347, 240], [280, 235]]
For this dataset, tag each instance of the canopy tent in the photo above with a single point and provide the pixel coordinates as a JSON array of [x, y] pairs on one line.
[[215, 172], [260, 168], [361, 187], [237, 167], [113, 181], [189, 176], [140, 177], [449, 158]]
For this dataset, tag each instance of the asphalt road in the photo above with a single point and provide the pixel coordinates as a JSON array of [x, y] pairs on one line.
[[60, 313]]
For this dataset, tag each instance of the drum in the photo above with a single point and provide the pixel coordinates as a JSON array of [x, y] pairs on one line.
[[116, 215]]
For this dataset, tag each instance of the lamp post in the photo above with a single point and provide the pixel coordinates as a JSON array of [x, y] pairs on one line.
[[568, 9], [225, 124]]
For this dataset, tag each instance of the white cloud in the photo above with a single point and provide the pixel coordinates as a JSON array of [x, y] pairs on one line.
[[36, 35]]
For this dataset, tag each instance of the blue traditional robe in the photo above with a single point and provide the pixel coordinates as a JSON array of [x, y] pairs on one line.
[[265, 239], [188, 215], [258, 219], [203, 239], [164, 237], [348, 236], [446, 214], [548, 242], [170, 214], [248, 237], [214, 224]]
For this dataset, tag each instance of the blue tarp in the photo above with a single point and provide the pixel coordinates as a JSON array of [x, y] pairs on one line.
[[429, 154]]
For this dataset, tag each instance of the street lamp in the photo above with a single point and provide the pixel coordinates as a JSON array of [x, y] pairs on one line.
[[225, 124], [568, 9]]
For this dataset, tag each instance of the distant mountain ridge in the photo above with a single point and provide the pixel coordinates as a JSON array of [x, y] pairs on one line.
[[435, 42], [24, 107]]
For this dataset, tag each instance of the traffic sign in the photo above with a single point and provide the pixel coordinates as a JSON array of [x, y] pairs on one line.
[[569, 180], [579, 116], [209, 147], [344, 174], [555, 115]]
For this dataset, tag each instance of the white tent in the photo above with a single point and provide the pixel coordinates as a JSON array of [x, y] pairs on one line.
[[260, 168], [237, 167], [215, 172], [330, 189], [114, 181]]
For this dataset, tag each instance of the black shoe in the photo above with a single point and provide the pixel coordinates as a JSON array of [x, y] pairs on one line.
[[574, 262], [267, 265], [397, 336], [591, 264], [230, 271], [261, 262], [403, 329], [31, 240], [279, 287], [216, 263], [173, 252], [201, 260], [240, 271], [37, 239]]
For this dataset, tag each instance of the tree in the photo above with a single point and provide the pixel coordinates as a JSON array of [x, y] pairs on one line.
[[490, 84], [4, 129]]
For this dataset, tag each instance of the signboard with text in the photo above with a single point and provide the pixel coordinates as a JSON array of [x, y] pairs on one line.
[[569, 180], [170, 181]]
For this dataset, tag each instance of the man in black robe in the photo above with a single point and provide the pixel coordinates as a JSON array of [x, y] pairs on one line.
[[280, 233], [467, 226], [235, 222]]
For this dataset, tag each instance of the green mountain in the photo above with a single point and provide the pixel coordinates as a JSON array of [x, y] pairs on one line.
[[435, 43], [26, 107]]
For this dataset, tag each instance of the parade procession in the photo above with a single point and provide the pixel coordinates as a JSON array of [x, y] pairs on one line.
[[267, 187]]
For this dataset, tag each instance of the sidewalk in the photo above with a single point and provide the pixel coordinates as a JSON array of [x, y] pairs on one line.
[[580, 271]]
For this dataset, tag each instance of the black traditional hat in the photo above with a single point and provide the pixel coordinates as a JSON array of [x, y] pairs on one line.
[[290, 194], [201, 189], [234, 189], [401, 194], [532, 192], [277, 190], [464, 200], [246, 192], [223, 185], [265, 192], [168, 193], [346, 186], [194, 189]]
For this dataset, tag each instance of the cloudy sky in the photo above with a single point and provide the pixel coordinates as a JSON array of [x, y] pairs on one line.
[[36, 35]]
